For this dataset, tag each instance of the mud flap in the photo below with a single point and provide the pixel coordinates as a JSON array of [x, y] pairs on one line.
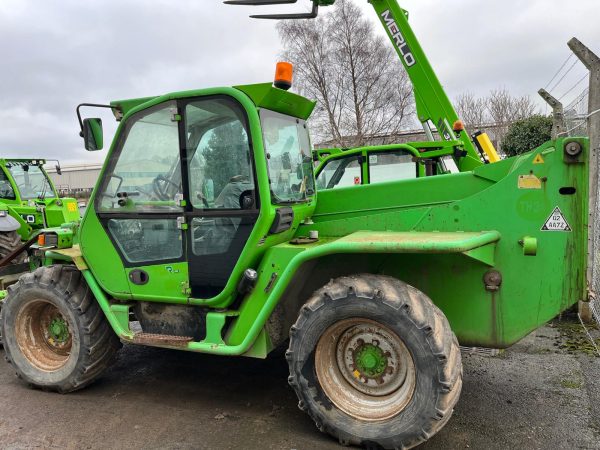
[[7, 222]]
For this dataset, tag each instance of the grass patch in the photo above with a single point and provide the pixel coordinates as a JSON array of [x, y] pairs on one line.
[[573, 338], [571, 384]]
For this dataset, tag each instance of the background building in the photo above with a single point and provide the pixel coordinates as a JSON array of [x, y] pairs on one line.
[[77, 180]]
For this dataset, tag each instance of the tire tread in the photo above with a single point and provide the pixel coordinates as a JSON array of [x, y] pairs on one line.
[[426, 317], [99, 344], [9, 241]]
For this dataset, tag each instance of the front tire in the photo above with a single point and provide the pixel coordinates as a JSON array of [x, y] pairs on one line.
[[9, 242], [55, 334], [374, 362]]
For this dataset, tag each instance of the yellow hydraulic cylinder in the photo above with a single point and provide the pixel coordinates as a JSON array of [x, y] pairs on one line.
[[485, 146]]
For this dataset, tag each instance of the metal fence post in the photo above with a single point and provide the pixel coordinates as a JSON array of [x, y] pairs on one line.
[[558, 116], [592, 62]]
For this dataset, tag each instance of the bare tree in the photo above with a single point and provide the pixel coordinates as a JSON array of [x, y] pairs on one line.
[[505, 109], [497, 111], [472, 110], [360, 85]]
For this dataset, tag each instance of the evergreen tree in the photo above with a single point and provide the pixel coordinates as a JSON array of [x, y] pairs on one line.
[[527, 134]]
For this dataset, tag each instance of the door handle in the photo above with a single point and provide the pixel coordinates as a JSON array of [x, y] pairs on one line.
[[139, 276]]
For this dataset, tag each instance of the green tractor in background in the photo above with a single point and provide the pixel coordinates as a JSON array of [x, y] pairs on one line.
[[29, 202]]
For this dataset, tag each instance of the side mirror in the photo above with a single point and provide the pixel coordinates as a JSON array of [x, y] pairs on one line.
[[58, 170], [92, 134]]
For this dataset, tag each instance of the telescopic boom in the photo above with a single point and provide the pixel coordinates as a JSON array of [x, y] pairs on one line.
[[434, 109]]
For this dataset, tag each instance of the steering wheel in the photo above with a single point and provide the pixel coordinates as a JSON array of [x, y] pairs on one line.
[[161, 191]]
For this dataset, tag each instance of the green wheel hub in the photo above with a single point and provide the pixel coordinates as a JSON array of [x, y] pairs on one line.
[[370, 361], [58, 330]]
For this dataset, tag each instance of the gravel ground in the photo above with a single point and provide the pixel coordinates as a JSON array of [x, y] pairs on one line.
[[534, 395]]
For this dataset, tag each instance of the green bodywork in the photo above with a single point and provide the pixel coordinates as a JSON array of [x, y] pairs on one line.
[[473, 241], [440, 234], [35, 212]]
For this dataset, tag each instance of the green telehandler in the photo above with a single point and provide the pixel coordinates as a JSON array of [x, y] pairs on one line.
[[205, 233], [29, 202]]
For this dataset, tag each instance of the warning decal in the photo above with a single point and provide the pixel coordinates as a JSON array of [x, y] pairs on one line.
[[556, 222], [538, 159]]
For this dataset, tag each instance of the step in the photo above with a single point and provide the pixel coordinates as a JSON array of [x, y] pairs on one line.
[[161, 339]]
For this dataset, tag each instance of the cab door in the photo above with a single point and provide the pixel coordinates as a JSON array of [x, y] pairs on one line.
[[178, 197], [139, 205], [219, 177]]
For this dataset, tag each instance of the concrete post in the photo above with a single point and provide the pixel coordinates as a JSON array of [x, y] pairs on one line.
[[558, 117], [592, 62]]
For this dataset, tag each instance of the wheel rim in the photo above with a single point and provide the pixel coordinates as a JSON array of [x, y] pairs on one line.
[[44, 335], [365, 369]]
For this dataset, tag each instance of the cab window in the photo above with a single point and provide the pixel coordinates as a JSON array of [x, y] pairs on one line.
[[6, 189], [144, 176], [391, 166], [218, 151], [340, 172], [147, 174], [31, 181], [289, 161]]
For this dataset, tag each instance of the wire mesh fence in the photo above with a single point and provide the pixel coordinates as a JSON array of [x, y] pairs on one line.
[[594, 230], [576, 123], [576, 113]]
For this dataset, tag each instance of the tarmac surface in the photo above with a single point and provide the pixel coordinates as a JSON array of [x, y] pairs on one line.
[[542, 393]]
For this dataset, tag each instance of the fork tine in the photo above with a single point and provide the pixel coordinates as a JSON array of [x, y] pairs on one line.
[[259, 2]]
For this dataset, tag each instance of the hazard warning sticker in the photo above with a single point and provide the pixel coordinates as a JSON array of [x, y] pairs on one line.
[[556, 222], [538, 159]]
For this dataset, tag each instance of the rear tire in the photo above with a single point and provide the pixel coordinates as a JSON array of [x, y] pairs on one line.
[[55, 334], [10, 241], [374, 362]]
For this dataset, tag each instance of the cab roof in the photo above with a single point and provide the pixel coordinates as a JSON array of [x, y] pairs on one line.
[[263, 95], [23, 161]]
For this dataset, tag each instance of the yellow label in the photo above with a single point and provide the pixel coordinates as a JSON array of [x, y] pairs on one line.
[[538, 159], [356, 374], [529, 182], [71, 207]]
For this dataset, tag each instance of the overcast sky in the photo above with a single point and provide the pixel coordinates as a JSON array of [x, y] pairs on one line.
[[56, 54]]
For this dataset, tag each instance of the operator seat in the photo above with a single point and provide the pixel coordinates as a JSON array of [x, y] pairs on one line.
[[216, 236]]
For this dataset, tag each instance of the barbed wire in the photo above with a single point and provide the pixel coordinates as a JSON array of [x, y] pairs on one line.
[[558, 71], [564, 75], [574, 86], [584, 119], [580, 98]]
